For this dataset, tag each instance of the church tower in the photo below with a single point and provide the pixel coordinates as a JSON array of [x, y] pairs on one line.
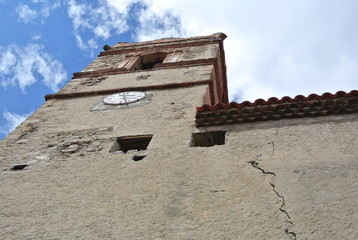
[[143, 144], [108, 156]]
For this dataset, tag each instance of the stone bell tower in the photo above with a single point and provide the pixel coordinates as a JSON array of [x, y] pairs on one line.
[[107, 155], [143, 144], [161, 64]]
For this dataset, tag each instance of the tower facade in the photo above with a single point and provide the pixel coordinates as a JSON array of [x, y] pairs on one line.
[[143, 144]]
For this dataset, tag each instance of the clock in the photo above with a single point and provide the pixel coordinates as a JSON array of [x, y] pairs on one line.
[[123, 98]]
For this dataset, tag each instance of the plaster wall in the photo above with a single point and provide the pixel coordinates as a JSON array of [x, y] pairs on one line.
[[274, 180], [140, 79], [290, 179]]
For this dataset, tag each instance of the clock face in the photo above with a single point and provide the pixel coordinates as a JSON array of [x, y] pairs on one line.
[[123, 98]]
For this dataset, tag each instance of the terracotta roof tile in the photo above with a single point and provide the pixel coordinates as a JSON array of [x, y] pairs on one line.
[[274, 109]]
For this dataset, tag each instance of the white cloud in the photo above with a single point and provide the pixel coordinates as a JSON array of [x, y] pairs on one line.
[[7, 60], [155, 24], [42, 10], [12, 121], [25, 13], [107, 18], [24, 66], [101, 22], [36, 37], [274, 48]]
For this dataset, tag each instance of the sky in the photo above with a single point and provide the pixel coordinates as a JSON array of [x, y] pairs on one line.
[[274, 48]]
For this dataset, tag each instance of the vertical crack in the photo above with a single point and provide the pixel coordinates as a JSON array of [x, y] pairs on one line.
[[255, 164], [276, 135], [273, 147], [291, 234]]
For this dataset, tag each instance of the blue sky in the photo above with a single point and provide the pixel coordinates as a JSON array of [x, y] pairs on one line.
[[274, 47]]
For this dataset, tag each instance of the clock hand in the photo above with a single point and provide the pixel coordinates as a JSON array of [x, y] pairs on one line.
[[125, 98]]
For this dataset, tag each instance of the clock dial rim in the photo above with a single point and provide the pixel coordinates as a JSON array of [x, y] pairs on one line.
[[122, 98]]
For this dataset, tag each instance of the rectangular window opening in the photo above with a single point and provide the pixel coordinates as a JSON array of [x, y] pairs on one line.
[[131, 143], [149, 61], [208, 139]]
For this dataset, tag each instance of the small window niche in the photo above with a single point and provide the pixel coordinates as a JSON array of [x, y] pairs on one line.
[[208, 139], [149, 61], [131, 143], [137, 158], [19, 167]]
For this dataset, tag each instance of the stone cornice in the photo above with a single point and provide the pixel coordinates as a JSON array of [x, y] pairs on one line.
[[116, 90]]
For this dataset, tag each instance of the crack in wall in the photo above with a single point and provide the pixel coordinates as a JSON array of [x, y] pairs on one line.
[[273, 147], [276, 135], [283, 202], [255, 164], [291, 234]]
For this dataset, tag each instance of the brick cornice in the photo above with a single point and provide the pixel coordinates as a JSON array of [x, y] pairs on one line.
[[116, 90], [157, 45], [113, 71]]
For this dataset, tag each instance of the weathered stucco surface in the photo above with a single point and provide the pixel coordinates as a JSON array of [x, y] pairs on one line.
[[269, 181], [140, 79], [290, 179]]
